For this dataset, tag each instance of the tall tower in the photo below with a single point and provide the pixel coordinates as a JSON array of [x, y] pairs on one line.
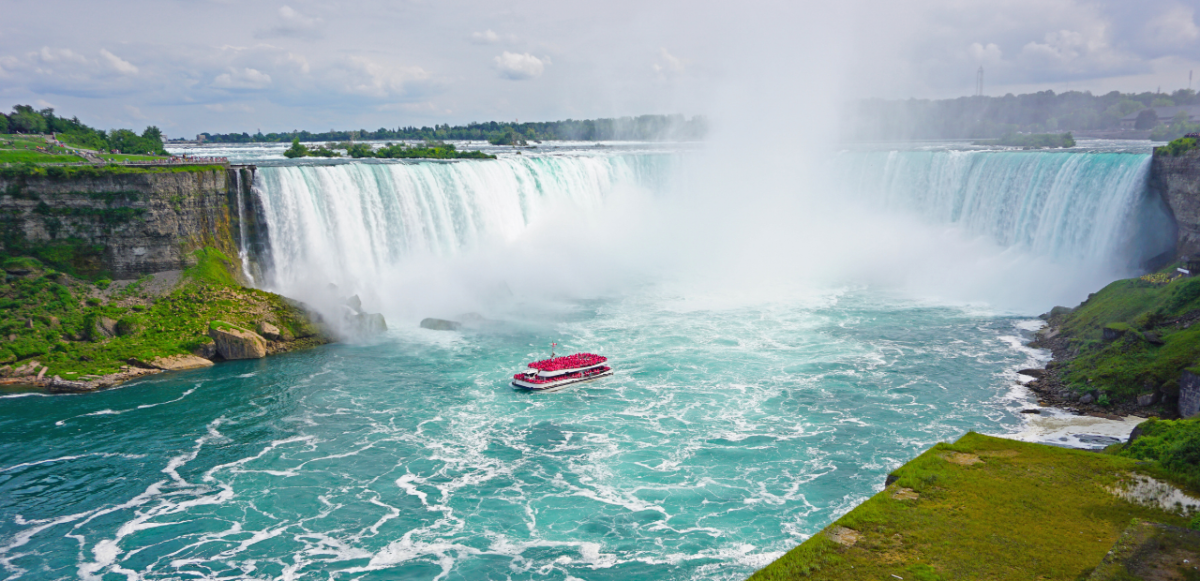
[[979, 82]]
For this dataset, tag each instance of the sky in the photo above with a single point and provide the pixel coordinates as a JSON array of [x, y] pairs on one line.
[[271, 65]]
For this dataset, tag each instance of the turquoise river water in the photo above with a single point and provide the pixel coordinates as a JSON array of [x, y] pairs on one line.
[[731, 431]]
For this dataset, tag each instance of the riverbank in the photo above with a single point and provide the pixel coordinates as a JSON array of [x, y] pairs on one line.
[[993, 508], [65, 334]]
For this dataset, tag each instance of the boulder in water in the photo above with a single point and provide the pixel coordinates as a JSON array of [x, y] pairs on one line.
[[370, 323], [234, 342], [440, 324]]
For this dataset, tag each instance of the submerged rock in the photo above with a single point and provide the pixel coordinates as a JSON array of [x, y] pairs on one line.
[[236, 343], [440, 324]]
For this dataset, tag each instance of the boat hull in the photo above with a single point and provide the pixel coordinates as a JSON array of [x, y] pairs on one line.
[[557, 385]]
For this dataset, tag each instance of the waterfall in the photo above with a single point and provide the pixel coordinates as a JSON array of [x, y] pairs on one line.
[[347, 222], [1071, 207], [243, 253]]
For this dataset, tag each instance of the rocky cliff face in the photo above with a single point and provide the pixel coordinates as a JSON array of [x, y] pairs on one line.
[[124, 224], [1177, 180]]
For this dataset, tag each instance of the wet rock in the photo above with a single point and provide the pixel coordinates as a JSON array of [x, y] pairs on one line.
[[206, 351], [1147, 399], [104, 328], [180, 363], [1189, 394], [891, 478], [60, 385], [234, 342], [1035, 373], [1087, 398], [1112, 333], [273, 333], [1031, 411], [440, 324], [355, 303], [370, 323]]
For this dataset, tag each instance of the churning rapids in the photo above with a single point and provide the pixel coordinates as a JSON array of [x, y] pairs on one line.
[[733, 429]]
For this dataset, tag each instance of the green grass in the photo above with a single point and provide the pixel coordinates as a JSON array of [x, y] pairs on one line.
[[33, 170], [1131, 365], [24, 156], [64, 338], [1174, 445], [1026, 511], [1177, 147]]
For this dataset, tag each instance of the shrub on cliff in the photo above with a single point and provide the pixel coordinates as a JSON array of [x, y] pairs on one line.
[[1175, 445], [1178, 147]]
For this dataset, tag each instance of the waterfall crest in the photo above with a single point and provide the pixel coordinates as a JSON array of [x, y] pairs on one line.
[[348, 221], [1070, 207]]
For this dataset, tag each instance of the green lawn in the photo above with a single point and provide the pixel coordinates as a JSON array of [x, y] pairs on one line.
[[22, 156], [16, 148], [984, 508]]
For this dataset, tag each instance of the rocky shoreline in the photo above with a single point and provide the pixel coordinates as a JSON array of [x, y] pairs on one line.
[[1051, 389], [245, 344]]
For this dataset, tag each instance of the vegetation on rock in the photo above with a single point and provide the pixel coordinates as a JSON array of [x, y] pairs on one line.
[[77, 329], [1032, 141], [1131, 364], [1178, 147]]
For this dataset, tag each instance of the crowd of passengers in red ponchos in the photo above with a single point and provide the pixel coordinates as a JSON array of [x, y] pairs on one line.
[[568, 362]]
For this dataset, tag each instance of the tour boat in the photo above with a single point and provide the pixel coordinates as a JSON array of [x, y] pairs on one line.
[[556, 373]]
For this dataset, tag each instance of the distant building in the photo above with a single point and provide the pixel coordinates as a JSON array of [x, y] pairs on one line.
[[1165, 115]]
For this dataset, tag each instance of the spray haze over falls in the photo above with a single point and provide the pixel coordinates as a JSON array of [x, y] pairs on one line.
[[438, 239]]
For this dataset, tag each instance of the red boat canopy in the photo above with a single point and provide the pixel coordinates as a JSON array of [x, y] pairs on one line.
[[568, 362]]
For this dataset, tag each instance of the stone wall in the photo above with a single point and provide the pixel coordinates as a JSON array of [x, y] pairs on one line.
[[1177, 180], [122, 225]]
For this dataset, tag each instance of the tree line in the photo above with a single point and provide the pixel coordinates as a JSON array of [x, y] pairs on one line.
[[25, 119], [990, 117], [641, 128]]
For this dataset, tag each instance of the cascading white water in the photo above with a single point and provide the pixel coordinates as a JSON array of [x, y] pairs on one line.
[[243, 253], [1070, 207], [346, 222]]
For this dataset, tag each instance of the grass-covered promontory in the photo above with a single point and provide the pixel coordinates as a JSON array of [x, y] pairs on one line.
[[78, 328], [1134, 337], [983, 508]]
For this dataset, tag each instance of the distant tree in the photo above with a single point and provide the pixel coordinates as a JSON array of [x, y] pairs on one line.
[[3, 123], [1147, 119], [296, 150], [25, 120]]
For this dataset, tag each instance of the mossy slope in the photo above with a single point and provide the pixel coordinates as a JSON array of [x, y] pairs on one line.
[[986, 508], [57, 320], [1133, 363]]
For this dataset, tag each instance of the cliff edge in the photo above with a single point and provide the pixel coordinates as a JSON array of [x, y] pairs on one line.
[[1177, 179]]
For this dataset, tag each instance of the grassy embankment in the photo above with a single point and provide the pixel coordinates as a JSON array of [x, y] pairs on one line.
[[1156, 341], [15, 148], [985, 508], [57, 319], [25, 149]]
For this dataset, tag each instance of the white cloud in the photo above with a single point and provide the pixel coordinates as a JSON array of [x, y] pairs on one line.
[[245, 78], [118, 64], [520, 66], [365, 77], [1173, 27], [293, 24], [989, 54]]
